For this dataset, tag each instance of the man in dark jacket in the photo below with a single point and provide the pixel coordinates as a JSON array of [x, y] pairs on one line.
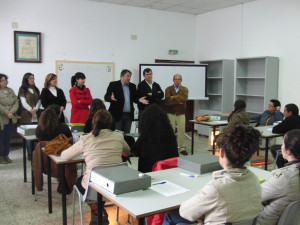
[[121, 95], [150, 90], [291, 121]]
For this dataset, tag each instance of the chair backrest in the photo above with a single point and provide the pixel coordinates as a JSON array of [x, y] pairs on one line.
[[90, 194], [251, 221], [291, 214]]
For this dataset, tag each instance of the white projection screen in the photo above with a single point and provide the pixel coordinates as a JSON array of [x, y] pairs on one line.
[[193, 77]]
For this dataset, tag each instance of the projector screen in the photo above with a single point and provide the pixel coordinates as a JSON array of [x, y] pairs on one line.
[[193, 77]]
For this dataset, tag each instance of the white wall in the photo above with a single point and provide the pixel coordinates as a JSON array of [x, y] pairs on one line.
[[259, 28], [92, 31]]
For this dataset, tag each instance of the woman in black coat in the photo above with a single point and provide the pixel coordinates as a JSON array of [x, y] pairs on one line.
[[157, 140], [51, 94]]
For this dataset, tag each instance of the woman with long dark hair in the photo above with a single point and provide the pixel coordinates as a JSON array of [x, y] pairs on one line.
[[8, 107], [81, 98], [51, 94], [96, 105], [29, 96], [284, 186], [157, 140], [100, 147], [238, 116]]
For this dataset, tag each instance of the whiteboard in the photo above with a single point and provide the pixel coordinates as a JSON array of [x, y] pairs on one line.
[[193, 77], [98, 76]]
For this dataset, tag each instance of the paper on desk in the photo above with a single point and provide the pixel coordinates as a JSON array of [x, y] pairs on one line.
[[167, 188]]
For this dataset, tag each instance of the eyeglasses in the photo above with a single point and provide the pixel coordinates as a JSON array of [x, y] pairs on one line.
[[4, 81], [31, 79]]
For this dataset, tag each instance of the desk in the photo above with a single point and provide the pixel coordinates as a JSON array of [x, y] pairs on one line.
[[213, 124], [143, 203], [62, 163], [266, 132], [32, 139]]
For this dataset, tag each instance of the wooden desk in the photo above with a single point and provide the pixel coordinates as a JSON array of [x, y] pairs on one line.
[[213, 124], [266, 132], [62, 163], [143, 203]]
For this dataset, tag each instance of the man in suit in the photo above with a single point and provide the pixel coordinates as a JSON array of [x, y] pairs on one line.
[[121, 95], [148, 89], [175, 101], [291, 121]]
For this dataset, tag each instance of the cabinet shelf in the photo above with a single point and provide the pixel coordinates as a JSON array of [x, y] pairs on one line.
[[259, 78], [214, 78], [248, 95]]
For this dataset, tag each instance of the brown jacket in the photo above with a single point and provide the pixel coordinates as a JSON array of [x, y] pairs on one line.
[[176, 105], [39, 166]]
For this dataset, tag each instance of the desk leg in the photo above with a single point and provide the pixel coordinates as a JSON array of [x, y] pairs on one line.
[[214, 133], [49, 185], [24, 160], [192, 147], [63, 194], [266, 153], [32, 174], [99, 208]]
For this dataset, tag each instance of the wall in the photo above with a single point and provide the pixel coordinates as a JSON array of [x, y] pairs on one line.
[[93, 31], [259, 28]]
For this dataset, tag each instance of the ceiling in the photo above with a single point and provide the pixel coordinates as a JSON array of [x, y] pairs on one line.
[[182, 6]]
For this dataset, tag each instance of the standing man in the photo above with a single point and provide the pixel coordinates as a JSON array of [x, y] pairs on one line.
[[175, 100], [149, 89], [121, 95]]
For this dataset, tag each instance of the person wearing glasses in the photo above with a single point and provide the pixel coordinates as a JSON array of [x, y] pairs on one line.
[[9, 105], [271, 115], [51, 94]]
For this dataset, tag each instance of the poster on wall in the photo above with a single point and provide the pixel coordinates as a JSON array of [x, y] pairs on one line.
[[27, 46]]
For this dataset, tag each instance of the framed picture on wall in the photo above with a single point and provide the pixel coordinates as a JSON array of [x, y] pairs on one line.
[[27, 46]]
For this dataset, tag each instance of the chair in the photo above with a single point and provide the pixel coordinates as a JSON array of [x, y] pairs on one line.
[[89, 196], [290, 215], [279, 152]]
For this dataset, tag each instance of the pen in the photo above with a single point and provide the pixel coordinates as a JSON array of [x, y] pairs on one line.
[[188, 175], [160, 183]]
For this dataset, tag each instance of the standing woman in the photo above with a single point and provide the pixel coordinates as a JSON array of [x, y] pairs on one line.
[[29, 95], [9, 105], [51, 94], [81, 98]]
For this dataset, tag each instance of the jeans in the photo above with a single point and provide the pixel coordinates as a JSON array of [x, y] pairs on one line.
[[173, 217], [280, 160], [5, 136], [28, 146], [124, 124]]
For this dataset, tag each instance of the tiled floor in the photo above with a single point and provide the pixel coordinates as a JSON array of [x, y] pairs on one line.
[[17, 205]]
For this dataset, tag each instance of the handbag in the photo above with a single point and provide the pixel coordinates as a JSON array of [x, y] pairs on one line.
[[57, 145], [202, 117]]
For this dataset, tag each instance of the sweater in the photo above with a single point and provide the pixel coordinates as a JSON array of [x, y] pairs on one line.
[[239, 117], [289, 123], [176, 105], [8, 101]]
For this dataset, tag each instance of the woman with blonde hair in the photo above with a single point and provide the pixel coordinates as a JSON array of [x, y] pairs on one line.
[[51, 94]]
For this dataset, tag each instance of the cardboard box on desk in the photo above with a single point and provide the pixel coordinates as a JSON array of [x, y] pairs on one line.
[[27, 130], [120, 179], [199, 163], [76, 126]]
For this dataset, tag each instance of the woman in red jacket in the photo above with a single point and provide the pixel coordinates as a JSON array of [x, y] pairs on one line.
[[81, 98]]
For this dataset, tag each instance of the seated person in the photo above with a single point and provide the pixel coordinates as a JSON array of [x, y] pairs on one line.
[[269, 116], [96, 105], [157, 140], [238, 116], [49, 126], [100, 147], [291, 121], [234, 193], [283, 186]]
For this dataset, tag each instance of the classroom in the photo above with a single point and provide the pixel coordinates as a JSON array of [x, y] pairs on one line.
[[98, 31]]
